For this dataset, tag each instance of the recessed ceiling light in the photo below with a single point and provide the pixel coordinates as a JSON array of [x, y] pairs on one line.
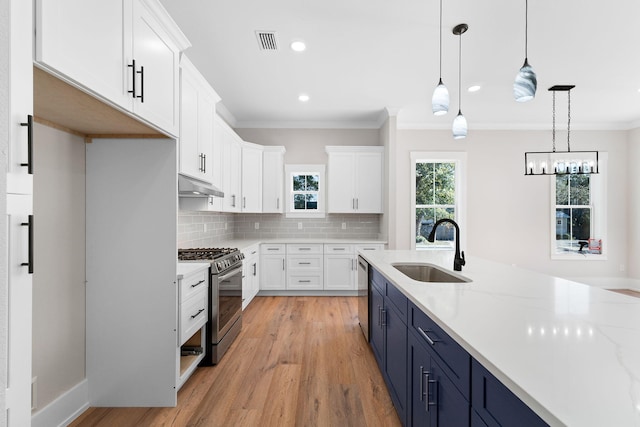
[[303, 97], [298, 46], [474, 88]]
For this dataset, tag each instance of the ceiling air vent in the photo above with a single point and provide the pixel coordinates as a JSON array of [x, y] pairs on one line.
[[267, 40]]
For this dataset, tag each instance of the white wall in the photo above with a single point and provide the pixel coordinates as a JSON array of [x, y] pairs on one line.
[[306, 146], [633, 160], [59, 251], [508, 214]]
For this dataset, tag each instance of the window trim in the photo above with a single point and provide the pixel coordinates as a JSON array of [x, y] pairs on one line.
[[289, 171], [599, 205], [460, 159]]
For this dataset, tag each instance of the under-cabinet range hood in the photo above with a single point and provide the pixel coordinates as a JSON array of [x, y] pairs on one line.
[[190, 187]]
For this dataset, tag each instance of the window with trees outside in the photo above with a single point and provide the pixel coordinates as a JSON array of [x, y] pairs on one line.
[[437, 195], [305, 191], [579, 215]]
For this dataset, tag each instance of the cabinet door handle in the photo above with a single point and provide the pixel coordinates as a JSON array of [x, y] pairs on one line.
[[273, 249], [198, 284], [233, 200], [29, 125], [339, 249], [353, 204], [379, 316], [204, 163], [277, 202], [244, 203], [357, 203], [283, 266], [383, 317], [255, 269], [193, 316], [133, 78], [141, 72], [422, 372], [428, 401], [430, 340], [29, 264]]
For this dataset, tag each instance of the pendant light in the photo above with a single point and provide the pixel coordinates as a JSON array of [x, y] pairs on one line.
[[526, 83], [561, 162], [460, 123], [440, 99]]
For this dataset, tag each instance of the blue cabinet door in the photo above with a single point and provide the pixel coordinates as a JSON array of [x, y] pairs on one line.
[[396, 360], [376, 329], [419, 361]]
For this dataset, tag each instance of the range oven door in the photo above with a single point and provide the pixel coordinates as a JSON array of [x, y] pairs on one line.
[[229, 304]]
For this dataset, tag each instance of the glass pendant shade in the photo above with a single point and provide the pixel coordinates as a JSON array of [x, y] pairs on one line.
[[526, 83], [459, 126], [440, 99]]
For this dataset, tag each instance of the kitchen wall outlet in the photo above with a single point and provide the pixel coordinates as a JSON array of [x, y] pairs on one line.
[[344, 225], [299, 226], [257, 225]]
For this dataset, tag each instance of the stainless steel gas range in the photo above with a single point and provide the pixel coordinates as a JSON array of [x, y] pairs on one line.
[[225, 297]]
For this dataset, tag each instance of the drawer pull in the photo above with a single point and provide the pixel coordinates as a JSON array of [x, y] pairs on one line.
[[273, 249], [339, 249], [304, 263], [304, 281], [193, 316], [198, 284], [427, 337], [304, 249]]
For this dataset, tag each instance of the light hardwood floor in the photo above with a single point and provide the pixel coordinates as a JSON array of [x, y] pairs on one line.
[[299, 361]]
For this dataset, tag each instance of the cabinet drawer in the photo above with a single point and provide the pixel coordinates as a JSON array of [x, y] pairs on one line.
[[496, 404], [313, 282], [305, 249], [398, 300], [193, 283], [193, 315], [250, 251], [370, 247], [455, 360], [338, 249], [377, 280], [272, 249], [304, 262]]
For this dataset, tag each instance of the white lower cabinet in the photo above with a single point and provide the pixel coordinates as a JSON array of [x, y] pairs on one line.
[[250, 274], [304, 267], [339, 267], [273, 267], [192, 314]]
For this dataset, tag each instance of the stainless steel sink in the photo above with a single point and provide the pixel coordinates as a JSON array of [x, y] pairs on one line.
[[429, 273]]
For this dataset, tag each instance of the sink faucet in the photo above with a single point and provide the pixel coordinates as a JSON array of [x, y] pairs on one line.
[[458, 261]]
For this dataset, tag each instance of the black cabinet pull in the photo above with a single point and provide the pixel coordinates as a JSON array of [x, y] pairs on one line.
[[204, 163], [141, 72], [133, 77], [198, 284], [30, 225], [254, 269], [29, 125], [193, 316]]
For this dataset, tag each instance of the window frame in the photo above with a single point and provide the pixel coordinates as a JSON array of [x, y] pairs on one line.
[[460, 160], [292, 170], [598, 206]]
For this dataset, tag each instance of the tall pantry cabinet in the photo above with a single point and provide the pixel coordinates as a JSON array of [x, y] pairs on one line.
[[18, 84]]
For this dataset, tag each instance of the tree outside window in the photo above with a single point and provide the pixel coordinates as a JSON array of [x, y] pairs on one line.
[[435, 199], [573, 211], [305, 192]]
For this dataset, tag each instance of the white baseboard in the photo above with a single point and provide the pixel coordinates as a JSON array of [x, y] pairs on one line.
[[65, 409]]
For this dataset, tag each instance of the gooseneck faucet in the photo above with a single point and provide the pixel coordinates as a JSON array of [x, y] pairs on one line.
[[458, 261]]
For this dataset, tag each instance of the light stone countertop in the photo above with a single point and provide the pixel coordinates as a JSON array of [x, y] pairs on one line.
[[188, 267], [570, 351]]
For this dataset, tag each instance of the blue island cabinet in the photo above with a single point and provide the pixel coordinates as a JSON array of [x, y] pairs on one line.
[[389, 338]]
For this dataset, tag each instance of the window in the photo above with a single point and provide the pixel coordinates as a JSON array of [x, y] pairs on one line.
[[579, 214], [437, 194], [305, 191]]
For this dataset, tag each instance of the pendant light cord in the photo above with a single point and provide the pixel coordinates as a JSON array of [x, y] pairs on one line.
[[460, 75], [568, 120], [553, 131], [526, 29], [440, 40]]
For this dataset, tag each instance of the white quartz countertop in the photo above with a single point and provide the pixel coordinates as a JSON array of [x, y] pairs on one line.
[[186, 268], [568, 350]]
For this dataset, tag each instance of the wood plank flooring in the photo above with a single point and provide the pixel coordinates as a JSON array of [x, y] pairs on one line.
[[630, 292], [299, 361]]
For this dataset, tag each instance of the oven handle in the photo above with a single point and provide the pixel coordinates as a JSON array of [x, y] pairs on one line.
[[229, 274]]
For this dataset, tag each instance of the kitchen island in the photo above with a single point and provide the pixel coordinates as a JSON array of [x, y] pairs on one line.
[[569, 351]]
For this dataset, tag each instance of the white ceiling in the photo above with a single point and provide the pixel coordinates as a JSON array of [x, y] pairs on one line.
[[365, 56]]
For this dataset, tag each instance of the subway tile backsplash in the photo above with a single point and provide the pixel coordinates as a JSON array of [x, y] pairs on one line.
[[208, 229]]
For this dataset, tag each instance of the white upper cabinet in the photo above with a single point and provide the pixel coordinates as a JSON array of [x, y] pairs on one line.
[[273, 179], [354, 179], [93, 44], [197, 115], [251, 177], [231, 168]]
